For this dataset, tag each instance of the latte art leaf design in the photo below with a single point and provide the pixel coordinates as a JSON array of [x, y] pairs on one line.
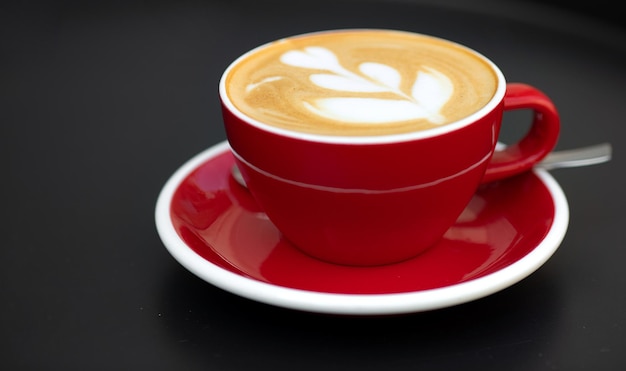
[[343, 83], [382, 74], [429, 93]]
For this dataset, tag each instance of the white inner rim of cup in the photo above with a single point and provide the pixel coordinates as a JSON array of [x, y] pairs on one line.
[[378, 139]]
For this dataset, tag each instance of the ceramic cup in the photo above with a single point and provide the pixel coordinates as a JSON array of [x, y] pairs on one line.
[[364, 146]]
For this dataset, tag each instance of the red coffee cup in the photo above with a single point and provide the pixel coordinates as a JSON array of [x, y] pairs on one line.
[[377, 199]]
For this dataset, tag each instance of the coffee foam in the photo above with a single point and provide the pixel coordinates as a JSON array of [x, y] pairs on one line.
[[360, 83]]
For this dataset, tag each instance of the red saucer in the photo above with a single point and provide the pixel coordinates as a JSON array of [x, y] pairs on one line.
[[213, 226]]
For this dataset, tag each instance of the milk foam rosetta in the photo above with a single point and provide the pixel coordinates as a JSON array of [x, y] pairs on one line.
[[360, 82]]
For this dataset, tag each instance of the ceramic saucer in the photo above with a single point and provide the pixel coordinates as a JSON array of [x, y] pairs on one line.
[[212, 226]]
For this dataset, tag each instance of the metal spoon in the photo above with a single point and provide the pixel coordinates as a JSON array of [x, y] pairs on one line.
[[583, 156]]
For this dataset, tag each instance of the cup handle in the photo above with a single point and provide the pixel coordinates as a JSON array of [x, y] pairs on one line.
[[536, 144]]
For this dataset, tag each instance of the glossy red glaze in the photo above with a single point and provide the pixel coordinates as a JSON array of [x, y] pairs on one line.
[[404, 163], [537, 143], [356, 203], [363, 228], [220, 221]]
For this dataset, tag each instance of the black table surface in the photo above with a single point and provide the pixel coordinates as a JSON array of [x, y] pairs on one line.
[[100, 102]]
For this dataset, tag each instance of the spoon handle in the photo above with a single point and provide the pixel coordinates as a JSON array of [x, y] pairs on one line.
[[583, 156]]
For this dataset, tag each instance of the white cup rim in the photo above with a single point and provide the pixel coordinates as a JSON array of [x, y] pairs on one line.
[[495, 100]]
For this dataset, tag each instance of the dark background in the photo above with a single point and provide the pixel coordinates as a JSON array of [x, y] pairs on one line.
[[100, 102]]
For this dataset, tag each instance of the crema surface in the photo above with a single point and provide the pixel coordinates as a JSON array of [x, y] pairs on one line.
[[360, 82]]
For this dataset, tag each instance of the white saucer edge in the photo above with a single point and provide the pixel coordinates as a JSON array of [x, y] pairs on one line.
[[353, 304]]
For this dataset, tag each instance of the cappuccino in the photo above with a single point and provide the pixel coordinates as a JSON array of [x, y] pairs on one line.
[[360, 83]]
